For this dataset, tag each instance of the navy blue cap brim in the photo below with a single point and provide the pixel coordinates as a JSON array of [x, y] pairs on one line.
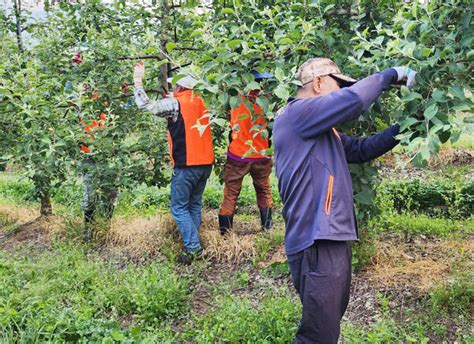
[[262, 75]]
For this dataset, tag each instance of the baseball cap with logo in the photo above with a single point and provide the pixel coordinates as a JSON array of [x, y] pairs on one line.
[[319, 66]]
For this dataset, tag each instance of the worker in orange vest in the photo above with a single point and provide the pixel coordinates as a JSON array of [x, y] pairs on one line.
[[247, 154], [191, 151]]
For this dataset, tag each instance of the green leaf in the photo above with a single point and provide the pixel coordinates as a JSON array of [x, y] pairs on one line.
[[176, 78], [227, 11], [281, 92], [234, 102], [263, 102], [426, 52], [457, 92], [407, 123], [285, 40], [234, 43], [116, 335], [279, 74], [411, 96], [328, 7], [170, 46], [430, 112], [220, 122]]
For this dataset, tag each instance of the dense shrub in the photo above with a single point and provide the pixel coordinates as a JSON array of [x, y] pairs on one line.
[[440, 197]]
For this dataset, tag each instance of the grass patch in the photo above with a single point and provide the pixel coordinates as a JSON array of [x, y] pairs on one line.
[[67, 295], [273, 319], [411, 225]]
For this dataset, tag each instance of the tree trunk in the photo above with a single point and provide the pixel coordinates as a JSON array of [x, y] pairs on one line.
[[17, 9], [164, 68], [46, 208]]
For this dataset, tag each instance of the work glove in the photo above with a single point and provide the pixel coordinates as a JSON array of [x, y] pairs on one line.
[[138, 74], [406, 73]]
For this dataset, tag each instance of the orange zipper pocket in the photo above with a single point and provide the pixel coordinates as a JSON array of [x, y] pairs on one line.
[[329, 195]]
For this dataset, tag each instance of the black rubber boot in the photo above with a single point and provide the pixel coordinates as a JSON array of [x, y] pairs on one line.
[[88, 218], [186, 258], [266, 218], [225, 223]]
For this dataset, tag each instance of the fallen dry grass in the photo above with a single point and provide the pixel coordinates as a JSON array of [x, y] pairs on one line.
[[142, 237], [453, 156], [18, 215], [423, 265], [446, 157], [150, 237], [29, 229]]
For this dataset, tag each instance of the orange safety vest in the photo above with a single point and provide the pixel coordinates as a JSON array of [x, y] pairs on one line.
[[187, 146], [243, 131]]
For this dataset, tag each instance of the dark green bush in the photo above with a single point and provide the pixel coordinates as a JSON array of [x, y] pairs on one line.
[[441, 197], [465, 199]]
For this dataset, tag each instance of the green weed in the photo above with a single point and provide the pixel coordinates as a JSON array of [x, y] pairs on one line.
[[70, 296], [272, 320], [455, 299], [423, 225]]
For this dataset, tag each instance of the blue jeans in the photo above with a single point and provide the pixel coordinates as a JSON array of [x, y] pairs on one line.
[[187, 186]]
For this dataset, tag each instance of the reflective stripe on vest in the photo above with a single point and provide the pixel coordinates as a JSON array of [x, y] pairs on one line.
[[188, 146], [244, 128]]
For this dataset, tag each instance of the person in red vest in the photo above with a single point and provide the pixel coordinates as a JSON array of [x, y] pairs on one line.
[[247, 154], [191, 151]]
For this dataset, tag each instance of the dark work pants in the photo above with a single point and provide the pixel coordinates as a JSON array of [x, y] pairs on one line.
[[322, 277]]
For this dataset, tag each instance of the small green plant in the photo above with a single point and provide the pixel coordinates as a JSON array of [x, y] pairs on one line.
[[456, 298], [273, 319]]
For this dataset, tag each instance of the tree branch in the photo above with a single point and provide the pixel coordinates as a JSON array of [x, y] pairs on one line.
[[145, 57]]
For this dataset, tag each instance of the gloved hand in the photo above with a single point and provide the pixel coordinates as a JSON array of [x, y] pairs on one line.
[[138, 74], [406, 73]]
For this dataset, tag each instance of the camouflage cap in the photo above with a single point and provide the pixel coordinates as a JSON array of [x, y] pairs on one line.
[[319, 66]]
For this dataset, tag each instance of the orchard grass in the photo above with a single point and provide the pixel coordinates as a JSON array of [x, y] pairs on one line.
[[71, 293]]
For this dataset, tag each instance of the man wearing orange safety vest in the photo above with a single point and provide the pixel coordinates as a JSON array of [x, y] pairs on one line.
[[247, 153], [192, 156]]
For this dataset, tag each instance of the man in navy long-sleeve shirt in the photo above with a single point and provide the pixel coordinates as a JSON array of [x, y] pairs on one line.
[[311, 159]]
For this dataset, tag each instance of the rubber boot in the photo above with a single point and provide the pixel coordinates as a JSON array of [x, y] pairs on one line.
[[266, 218], [87, 231], [225, 223]]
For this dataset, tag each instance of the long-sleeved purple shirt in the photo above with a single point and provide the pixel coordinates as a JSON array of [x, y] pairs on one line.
[[311, 160]]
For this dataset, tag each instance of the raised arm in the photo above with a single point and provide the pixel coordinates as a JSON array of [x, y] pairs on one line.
[[359, 150], [168, 107], [316, 115]]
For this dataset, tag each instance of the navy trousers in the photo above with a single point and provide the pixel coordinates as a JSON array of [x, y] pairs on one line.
[[322, 277]]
